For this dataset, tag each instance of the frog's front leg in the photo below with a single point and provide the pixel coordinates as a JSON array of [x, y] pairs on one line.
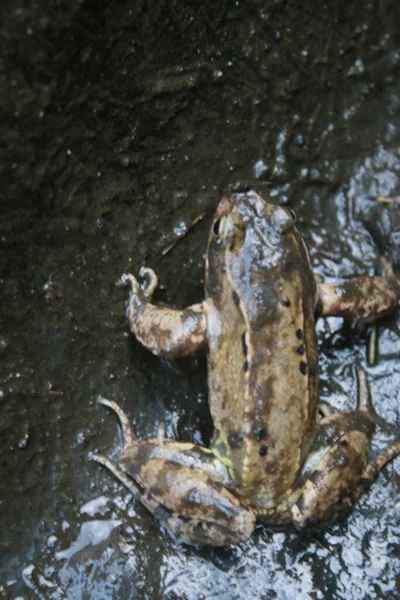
[[165, 331], [336, 472], [183, 485], [366, 298]]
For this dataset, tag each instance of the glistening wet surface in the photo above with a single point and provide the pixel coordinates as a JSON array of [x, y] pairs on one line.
[[121, 123]]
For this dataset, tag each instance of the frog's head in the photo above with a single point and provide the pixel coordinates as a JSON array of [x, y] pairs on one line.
[[248, 213], [253, 244]]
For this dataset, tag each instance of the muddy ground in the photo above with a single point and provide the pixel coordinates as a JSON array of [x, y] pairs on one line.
[[121, 123]]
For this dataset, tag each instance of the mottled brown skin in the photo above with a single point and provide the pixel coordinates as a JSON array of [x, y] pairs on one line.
[[366, 298], [271, 459], [167, 332], [183, 485], [260, 298]]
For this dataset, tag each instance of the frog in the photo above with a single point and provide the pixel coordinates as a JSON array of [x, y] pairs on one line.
[[276, 457]]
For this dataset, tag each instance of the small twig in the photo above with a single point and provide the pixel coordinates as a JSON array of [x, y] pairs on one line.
[[183, 234], [389, 199], [372, 345]]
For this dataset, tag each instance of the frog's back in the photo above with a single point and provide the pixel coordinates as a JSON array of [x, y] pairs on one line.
[[260, 294]]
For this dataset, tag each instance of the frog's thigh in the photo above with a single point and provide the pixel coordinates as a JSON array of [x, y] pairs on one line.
[[179, 484], [366, 298], [333, 468]]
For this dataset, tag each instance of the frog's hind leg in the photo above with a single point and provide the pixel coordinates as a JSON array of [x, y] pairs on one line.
[[364, 403], [193, 505], [117, 472], [123, 419], [372, 469], [336, 472], [183, 485], [145, 498], [128, 441]]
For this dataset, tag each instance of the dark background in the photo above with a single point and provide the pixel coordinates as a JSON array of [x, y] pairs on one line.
[[120, 123]]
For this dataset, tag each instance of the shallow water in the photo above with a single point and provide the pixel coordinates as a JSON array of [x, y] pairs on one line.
[[120, 124]]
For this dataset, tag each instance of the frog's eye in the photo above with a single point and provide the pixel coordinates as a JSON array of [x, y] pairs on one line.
[[229, 229], [216, 226], [221, 228]]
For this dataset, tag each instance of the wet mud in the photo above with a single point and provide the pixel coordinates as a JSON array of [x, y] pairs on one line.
[[120, 124]]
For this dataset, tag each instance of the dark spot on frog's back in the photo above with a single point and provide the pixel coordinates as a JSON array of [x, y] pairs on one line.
[[235, 440], [235, 298], [260, 433], [299, 334], [263, 450], [303, 367], [245, 366], [300, 349], [244, 345]]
